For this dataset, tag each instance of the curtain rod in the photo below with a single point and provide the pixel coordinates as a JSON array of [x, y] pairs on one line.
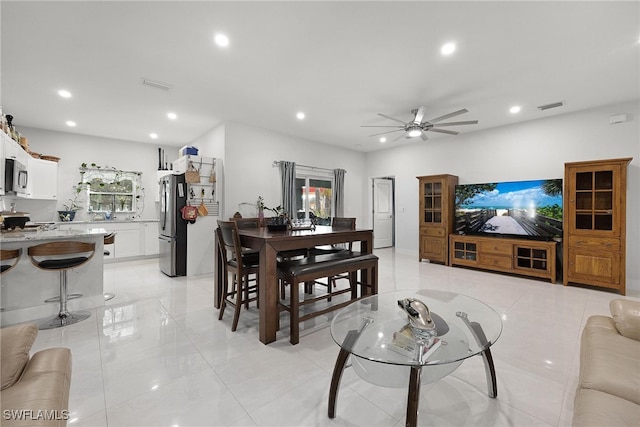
[[276, 163]]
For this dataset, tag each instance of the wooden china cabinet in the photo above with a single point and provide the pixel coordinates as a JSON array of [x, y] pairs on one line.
[[595, 223], [437, 216]]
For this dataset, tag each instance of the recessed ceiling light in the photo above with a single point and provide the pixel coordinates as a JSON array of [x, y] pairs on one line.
[[448, 48], [515, 109], [64, 93], [153, 135], [300, 115], [172, 116], [383, 139], [71, 123], [221, 40]]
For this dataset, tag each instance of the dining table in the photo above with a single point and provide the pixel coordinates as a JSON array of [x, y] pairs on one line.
[[270, 244]]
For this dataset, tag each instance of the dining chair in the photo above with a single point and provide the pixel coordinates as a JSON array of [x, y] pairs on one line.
[[336, 223], [241, 265]]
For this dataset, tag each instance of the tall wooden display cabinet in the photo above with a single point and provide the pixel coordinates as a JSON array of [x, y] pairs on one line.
[[595, 223], [437, 216]]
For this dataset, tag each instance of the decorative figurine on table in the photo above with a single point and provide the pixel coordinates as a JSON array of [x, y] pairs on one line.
[[419, 316]]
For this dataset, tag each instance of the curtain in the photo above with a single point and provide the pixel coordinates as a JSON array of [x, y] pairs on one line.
[[338, 192], [288, 177]]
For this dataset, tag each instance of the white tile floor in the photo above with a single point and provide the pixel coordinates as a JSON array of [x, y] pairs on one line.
[[157, 355]]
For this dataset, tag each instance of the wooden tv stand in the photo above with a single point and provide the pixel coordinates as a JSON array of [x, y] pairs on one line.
[[508, 255]]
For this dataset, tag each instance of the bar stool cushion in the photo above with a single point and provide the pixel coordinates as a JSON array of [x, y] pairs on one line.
[[15, 346], [59, 264]]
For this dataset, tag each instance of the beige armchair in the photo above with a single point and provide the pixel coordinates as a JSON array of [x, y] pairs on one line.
[[35, 390], [608, 393]]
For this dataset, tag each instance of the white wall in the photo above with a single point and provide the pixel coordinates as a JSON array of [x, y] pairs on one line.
[[531, 150], [249, 171], [74, 149]]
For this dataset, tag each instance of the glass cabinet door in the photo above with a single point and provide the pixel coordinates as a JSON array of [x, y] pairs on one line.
[[432, 202], [594, 200]]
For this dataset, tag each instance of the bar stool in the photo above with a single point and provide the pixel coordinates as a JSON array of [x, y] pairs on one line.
[[8, 255], [109, 239], [83, 252]]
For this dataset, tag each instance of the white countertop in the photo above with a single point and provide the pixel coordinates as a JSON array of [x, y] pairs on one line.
[[108, 221], [29, 234]]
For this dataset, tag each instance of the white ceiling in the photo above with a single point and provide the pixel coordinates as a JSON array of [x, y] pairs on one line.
[[339, 62]]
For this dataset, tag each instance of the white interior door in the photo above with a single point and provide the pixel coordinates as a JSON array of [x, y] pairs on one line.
[[382, 212]]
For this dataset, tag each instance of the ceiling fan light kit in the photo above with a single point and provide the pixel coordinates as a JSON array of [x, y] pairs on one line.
[[417, 127]]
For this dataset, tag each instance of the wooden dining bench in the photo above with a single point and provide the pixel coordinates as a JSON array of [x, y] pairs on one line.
[[311, 268]]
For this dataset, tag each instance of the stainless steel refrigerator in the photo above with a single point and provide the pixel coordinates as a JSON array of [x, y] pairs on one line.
[[172, 228]]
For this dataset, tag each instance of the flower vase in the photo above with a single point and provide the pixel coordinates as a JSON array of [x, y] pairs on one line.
[[261, 217]]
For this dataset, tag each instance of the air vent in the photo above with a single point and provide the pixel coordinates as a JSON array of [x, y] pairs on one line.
[[549, 106], [156, 84]]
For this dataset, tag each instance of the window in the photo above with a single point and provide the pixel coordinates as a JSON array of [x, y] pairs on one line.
[[111, 190], [315, 196]]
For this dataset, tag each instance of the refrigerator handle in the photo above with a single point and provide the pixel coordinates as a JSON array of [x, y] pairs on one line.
[[164, 203]]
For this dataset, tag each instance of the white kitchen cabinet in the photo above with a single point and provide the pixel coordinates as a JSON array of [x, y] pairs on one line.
[[132, 240], [13, 150], [127, 242], [43, 179], [151, 242]]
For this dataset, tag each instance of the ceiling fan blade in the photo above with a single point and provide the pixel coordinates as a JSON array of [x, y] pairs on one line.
[[391, 118], [469, 122], [379, 126], [446, 116], [382, 133], [419, 115], [423, 135], [450, 132]]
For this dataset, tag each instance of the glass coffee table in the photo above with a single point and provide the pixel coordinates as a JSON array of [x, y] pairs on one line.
[[374, 333]]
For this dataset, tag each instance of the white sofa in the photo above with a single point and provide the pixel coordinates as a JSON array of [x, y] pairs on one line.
[[608, 393]]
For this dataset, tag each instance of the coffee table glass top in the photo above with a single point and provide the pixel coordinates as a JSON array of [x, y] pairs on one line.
[[376, 328]]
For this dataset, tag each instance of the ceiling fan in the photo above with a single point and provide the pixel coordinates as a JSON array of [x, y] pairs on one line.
[[419, 127]]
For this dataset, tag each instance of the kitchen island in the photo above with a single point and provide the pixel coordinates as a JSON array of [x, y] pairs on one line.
[[25, 287]]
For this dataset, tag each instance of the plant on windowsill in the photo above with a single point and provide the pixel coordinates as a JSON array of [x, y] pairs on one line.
[[70, 209]]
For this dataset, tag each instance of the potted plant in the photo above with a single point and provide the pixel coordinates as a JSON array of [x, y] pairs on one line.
[[70, 209], [261, 207], [280, 221]]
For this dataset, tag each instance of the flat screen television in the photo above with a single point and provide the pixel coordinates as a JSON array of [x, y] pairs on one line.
[[527, 209]]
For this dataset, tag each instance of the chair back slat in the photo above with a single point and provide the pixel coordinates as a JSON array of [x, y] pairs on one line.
[[339, 222], [246, 223]]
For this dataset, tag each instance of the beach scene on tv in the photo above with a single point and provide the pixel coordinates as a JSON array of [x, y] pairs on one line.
[[519, 208]]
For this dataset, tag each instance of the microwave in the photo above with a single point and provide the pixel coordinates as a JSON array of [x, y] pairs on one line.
[[16, 177]]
